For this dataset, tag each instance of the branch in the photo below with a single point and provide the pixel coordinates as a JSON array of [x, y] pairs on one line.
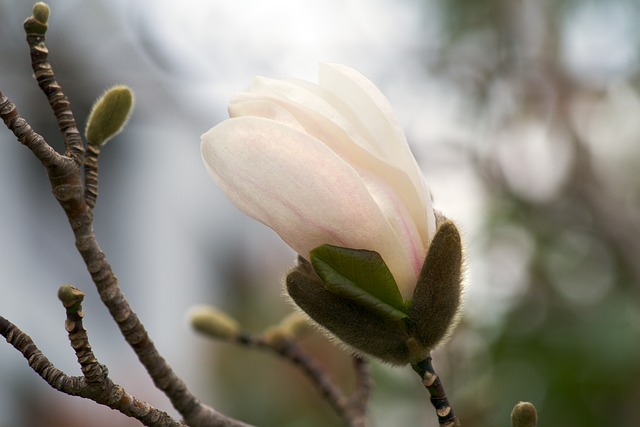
[[64, 175], [91, 175], [351, 410], [66, 183], [439, 398], [94, 385], [35, 28], [53, 161]]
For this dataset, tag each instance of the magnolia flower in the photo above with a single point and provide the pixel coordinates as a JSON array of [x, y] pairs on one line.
[[328, 167], [325, 163]]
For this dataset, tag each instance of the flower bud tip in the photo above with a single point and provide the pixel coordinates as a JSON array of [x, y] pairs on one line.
[[214, 323], [295, 325], [275, 336], [524, 415], [41, 12], [109, 114], [70, 296]]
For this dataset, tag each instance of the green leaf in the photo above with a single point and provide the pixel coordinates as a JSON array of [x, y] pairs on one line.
[[361, 276]]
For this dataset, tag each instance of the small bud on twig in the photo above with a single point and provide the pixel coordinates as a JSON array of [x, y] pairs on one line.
[[214, 323], [295, 325], [524, 415], [292, 327], [109, 115], [41, 12], [70, 297]]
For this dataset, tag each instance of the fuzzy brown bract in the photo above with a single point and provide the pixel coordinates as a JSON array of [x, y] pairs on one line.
[[432, 316]]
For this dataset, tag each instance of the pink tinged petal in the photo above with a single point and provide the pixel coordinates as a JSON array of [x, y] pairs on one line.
[[371, 107], [395, 195], [403, 225], [245, 104], [321, 115], [294, 184], [310, 97], [378, 118]]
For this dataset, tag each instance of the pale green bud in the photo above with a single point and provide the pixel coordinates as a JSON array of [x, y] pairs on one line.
[[41, 12], [214, 323], [524, 415], [292, 327], [70, 297], [109, 115], [295, 325], [274, 336]]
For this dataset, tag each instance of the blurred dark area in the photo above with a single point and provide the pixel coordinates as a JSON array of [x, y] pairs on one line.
[[525, 116]]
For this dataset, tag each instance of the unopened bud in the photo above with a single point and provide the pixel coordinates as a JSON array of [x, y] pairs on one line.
[[70, 296], [109, 115], [524, 415], [41, 12], [275, 336], [214, 323], [295, 325], [292, 327]]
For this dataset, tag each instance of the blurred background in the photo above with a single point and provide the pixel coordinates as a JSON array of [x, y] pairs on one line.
[[524, 116]]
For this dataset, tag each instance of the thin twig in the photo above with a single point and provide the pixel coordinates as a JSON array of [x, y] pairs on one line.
[[359, 400], [71, 299], [439, 399], [101, 390], [43, 73], [291, 351], [53, 161]]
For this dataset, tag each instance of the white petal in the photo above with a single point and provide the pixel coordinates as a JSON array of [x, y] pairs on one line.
[[399, 216], [245, 104], [376, 114], [314, 109], [310, 97], [395, 194], [371, 107], [296, 185]]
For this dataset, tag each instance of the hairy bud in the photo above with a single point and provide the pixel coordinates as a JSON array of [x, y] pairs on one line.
[[70, 297], [41, 12], [295, 325], [436, 299], [109, 115], [214, 323], [349, 294], [524, 415]]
